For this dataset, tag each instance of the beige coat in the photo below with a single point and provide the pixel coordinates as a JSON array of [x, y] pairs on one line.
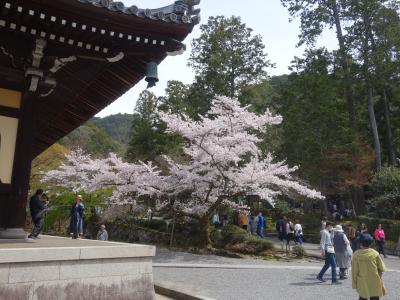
[[367, 268]]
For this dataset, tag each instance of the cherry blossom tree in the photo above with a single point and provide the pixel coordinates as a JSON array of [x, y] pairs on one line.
[[224, 163], [129, 181]]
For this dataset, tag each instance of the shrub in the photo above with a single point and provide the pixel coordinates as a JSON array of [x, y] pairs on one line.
[[385, 187], [259, 245], [387, 180], [236, 239], [298, 251], [155, 224], [230, 234]]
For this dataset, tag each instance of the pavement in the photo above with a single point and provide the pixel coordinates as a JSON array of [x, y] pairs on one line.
[[46, 241], [161, 297], [216, 277]]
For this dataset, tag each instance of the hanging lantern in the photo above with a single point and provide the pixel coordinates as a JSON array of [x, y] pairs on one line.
[[151, 74]]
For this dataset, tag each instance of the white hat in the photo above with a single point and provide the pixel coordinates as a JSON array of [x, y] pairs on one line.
[[339, 228]]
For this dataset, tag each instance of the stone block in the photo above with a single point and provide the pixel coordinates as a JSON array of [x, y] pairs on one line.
[[16, 291], [141, 283], [32, 272], [4, 273], [121, 267], [146, 266], [121, 251], [80, 269], [101, 288], [38, 254]]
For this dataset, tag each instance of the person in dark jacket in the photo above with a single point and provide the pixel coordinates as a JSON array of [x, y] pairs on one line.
[[279, 228], [37, 208], [261, 225], [76, 213]]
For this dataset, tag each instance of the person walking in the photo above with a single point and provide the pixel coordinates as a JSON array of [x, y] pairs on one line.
[[225, 219], [102, 235], [298, 233], [252, 225], [379, 235], [76, 213], [361, 228], [328, 252], [352, 235], [279, 229], [260, 225], [289, 234], [343, 251], [37, 208], [284, 232], [243, 220], [216, 220], [366, 269], [149, 215]]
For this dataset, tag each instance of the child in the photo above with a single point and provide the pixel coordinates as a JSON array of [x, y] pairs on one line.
[[367, 268]]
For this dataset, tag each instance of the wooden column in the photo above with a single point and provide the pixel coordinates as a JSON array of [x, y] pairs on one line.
[[13, 203]]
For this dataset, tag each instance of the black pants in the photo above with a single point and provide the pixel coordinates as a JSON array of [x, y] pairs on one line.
[[372, 298], [39, 224], [380, 249]]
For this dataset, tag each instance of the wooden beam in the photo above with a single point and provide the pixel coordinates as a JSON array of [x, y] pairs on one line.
[[9, 112]]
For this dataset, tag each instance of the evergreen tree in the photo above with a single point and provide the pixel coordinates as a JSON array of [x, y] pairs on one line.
[[228, 56]]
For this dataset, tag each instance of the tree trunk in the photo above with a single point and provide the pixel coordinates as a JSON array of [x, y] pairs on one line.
[[347, 80], [352, 202], [358, 200], [324, 207], [389, 134], [374, 127], [171, 241], [204, 240], [368, 37]]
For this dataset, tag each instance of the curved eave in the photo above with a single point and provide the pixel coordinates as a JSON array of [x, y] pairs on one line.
[[181, 11]]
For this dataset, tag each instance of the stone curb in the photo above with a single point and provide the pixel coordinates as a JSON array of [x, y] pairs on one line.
[[173, 292]]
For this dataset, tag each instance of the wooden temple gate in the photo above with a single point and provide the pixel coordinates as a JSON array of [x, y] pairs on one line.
[[63, 61]]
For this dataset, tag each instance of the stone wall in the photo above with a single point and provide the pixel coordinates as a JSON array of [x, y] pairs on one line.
[[117, 272], [117, 279]]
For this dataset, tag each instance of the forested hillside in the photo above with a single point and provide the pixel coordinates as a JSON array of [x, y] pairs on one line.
[[116, 126], [93, 140]]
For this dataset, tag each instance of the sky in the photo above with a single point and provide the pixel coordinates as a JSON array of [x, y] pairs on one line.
[[266, 17]]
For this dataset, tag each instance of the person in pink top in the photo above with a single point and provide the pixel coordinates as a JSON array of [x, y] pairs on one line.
[[379, 235]]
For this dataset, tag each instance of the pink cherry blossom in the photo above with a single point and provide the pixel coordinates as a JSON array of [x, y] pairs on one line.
[[225, 162]]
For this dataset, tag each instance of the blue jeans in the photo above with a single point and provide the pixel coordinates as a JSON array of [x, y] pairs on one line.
[[330, 261], [299, 240]]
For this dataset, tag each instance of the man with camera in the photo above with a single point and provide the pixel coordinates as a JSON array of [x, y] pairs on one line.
[[38, 208]]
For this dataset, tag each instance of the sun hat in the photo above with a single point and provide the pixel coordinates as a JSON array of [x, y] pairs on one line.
[[339, 228]]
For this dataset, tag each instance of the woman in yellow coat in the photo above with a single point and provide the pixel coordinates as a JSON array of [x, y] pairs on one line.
[[367, 268]]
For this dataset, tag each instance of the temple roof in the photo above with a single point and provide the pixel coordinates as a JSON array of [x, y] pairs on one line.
[[182, 11], [84, 53]]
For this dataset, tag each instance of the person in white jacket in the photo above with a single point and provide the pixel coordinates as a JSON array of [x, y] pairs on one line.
[[328, 252]]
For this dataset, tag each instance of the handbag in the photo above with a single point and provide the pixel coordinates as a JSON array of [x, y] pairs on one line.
[[330, 249]]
